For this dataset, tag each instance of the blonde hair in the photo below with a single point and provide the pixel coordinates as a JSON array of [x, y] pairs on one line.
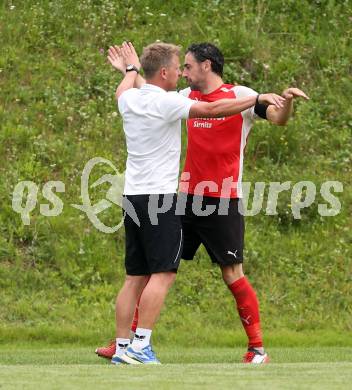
[[157, 55]]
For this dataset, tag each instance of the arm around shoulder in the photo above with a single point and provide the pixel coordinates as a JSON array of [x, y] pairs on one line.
[[220, 108]]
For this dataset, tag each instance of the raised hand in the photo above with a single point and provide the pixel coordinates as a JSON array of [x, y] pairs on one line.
[[272, 99], [291, 93], [129, 54], [116, 59]]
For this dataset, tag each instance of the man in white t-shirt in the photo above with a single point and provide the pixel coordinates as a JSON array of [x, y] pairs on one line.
[[152, 124]]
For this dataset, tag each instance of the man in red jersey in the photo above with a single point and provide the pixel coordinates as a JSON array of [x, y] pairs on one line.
[[211, 180]]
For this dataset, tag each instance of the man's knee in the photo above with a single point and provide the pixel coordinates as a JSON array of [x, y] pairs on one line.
[[231, 273], [136, 282], [164, 278]]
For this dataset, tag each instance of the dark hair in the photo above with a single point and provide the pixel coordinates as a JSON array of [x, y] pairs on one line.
[[207, 51]]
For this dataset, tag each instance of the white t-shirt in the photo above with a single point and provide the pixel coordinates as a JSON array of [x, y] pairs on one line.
[[152, 125]]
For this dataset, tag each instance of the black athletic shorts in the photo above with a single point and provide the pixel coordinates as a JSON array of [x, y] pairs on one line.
[[156, 245], [221, 235]]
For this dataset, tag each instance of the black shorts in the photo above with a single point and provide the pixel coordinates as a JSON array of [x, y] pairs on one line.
[[221, 235], [156, 245]]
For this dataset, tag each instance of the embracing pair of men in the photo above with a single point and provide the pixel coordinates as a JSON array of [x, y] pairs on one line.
[[207, 208]]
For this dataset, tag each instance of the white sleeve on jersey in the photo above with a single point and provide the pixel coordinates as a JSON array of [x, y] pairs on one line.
[[185, 92], [248, 115], [241, 91], [121, 101], [174, 106]]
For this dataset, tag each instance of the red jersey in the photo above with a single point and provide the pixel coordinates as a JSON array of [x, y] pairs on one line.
[[214, 160]]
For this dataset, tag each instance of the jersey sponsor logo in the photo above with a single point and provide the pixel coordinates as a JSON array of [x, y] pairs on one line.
[[204, 125], [210, 119]]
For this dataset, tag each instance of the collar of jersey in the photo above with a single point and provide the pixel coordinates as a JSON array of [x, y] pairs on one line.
[[152, 87], [215, 90]]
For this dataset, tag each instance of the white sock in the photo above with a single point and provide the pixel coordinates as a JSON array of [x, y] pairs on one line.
[[121, 346], [141, 338]]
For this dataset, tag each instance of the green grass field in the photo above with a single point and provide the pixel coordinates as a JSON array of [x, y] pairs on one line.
[[201, 368]]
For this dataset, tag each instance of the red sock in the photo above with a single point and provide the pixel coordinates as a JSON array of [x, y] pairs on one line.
[[248, 309], [135, 318]]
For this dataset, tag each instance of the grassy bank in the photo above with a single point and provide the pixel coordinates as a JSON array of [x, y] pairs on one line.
[[59, 275]]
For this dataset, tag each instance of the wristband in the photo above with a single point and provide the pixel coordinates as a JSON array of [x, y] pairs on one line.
[[260, 108]]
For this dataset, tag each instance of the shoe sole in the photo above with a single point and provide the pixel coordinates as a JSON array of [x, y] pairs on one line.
[[118, 363], [128, 360]]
